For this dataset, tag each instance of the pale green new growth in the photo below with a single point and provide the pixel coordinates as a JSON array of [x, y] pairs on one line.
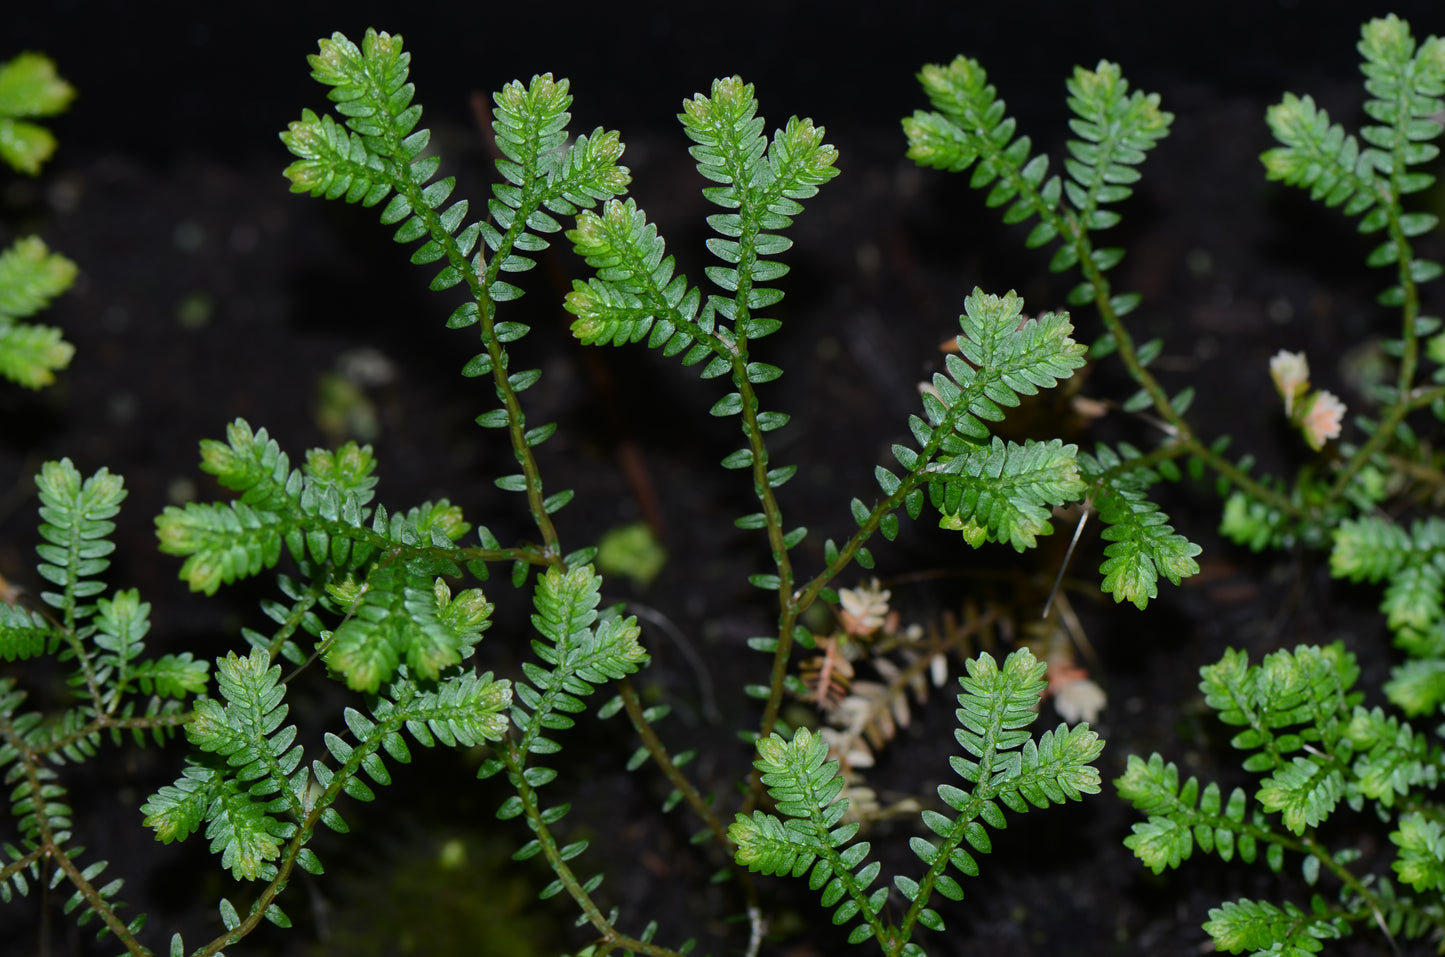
[[30, 274], [29, 89]]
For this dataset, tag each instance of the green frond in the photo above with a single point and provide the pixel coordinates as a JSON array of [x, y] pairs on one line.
[[30, 355], [1264, 928], [635, 292], [172, 676], [1304, 792], [1001, 357], [462, 710], [1391, 759], [259, 780], [579, 649], [177, 810], [30, 277], [767, 845], [806, 786], [75, 522], [222, 543], [121, 625], [531, 129], [566, 612], [1417, 687], [246, 730], [1006, 492], [30, 88], [1414, 597], [1142, 543], [1318, 155], [334, 162], [1181, 816], [1116, 130], [1421, 860], [241, 830], [761, 186], [1405, 83], [1308, 690], [566, 605], [406, 613], [347, 471], [996, 708], [970, 125], [1368, 549], [318, 513], [381, 155]]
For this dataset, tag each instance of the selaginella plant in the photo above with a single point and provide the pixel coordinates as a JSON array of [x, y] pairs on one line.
[[30, 274], [1316, 748], [388, 601]]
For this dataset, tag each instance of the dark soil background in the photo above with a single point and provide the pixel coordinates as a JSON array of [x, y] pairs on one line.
[[209, 292]]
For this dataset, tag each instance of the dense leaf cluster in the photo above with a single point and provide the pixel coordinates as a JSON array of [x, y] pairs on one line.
[[1317, 751]]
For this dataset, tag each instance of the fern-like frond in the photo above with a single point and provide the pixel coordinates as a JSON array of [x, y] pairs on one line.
[[1001, 357], [1181, 816], [1006, 492], [75, 522], [579, 649], [1372, 549], [121, 625], [461, 710], [30, 88], [806, 787], [1369, 548], [1307, 690], [542, 177], [177, 810], [1264, 928], [317, 513], [1405, 82], [763, 182], [247, 733], [406, 613], [1421, 859], [1391, 758], [1116, 130], [30, 355], [1143, 545], [1318, 155], [30, 277], [635, 291], [969, 127], [1005, 766]]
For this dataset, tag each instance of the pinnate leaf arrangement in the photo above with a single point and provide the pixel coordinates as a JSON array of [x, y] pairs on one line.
[[1316, 747], [31, 275], [389, 603]]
